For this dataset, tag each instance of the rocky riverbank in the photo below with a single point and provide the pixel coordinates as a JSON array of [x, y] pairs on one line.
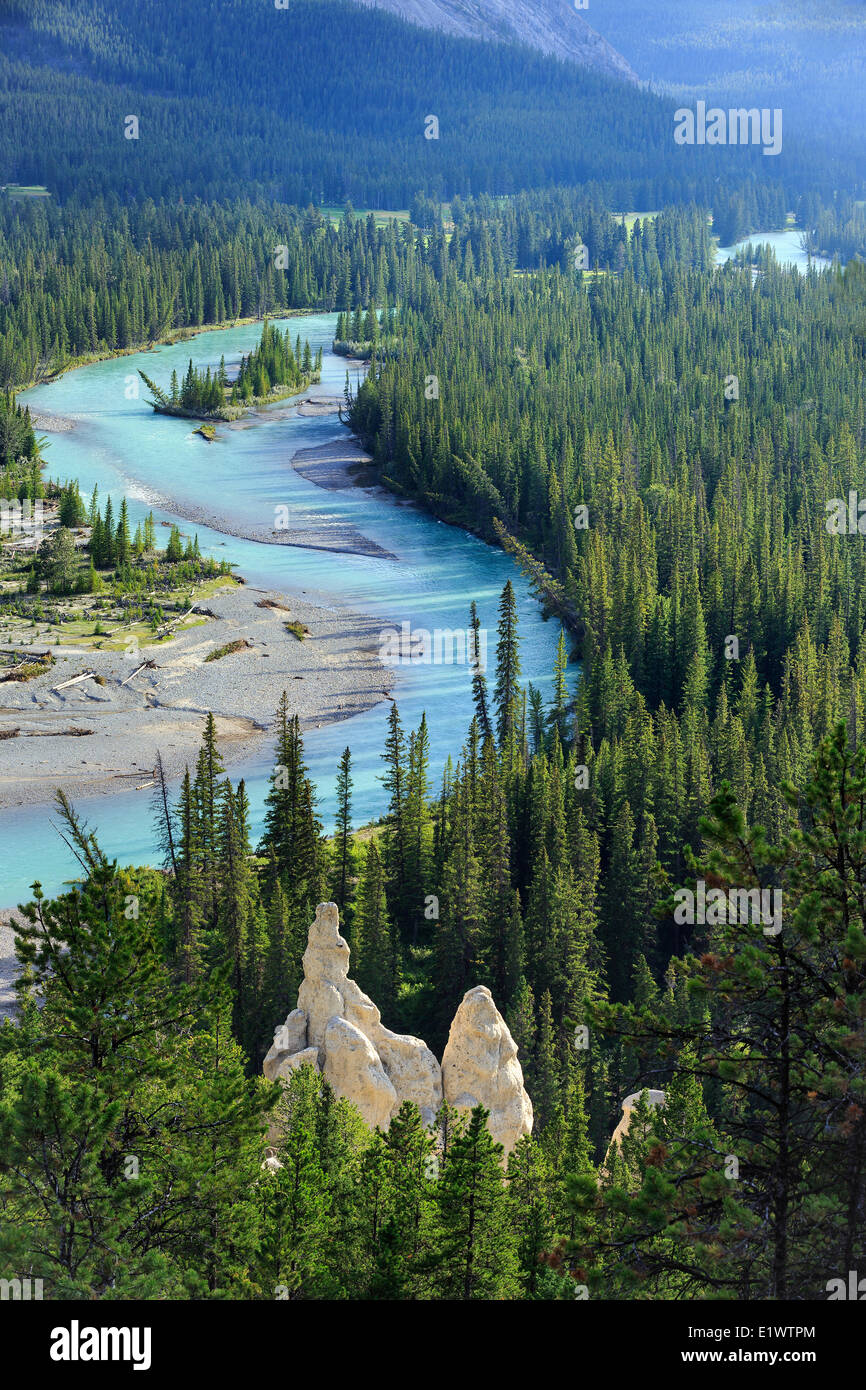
[[102, 734]]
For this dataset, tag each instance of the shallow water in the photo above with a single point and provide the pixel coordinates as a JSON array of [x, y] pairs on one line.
[[121, 445], [786, 245]]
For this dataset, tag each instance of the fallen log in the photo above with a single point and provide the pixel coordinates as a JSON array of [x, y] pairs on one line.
[[142, 667], [57, 733], [272, 603], [74, 680]]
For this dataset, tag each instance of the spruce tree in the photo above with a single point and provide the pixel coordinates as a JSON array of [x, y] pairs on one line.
[[476, 1246], [292, 832], [127, 1156], [295, 1200], [505, 697], [343, 866], [530, 1187], [479, 677], [206, 800], [374, 947], [395, 849]]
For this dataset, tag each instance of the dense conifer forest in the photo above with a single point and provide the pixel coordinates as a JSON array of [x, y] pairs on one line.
[[545, 896], [672, 453], [79, 283], [319, 130]]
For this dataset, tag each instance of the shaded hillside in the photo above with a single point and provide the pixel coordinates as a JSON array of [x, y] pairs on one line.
[[327, 101]]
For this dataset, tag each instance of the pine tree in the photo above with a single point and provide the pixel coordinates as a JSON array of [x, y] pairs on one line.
[[220, 1158], [559, 708], [530, 1184], [417, 818], [395, 842], [292, 833], [458, 934], [206, 799], [236, 914], [479, 677], [374, 948], [343, 867], [295, 1199], [545, 1070], [476, 1248], [174, 549], [521, 1024], [122, 543], [507, 667], [108, 537], [410, 1191], [186, 885], [116, 1133], [282, 967]]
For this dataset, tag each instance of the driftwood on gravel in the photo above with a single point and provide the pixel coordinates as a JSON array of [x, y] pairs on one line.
[[57, 733], [25, 665], [182, 617], [73, 680], [145, 665]]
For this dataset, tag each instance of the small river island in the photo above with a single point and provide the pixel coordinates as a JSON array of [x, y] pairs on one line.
[[269, 373]]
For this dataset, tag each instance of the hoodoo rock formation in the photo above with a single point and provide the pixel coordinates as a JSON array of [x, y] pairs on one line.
[[480, 1067], [338, 1030], [653, 1097]]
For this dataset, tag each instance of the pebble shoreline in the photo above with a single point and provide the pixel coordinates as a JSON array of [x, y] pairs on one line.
[[121, 723]]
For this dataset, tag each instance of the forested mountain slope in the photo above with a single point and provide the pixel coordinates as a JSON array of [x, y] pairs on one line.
[[661, 445], [725, 43], [298, 118]]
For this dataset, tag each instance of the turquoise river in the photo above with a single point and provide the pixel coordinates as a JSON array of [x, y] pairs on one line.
[[159, 463]]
